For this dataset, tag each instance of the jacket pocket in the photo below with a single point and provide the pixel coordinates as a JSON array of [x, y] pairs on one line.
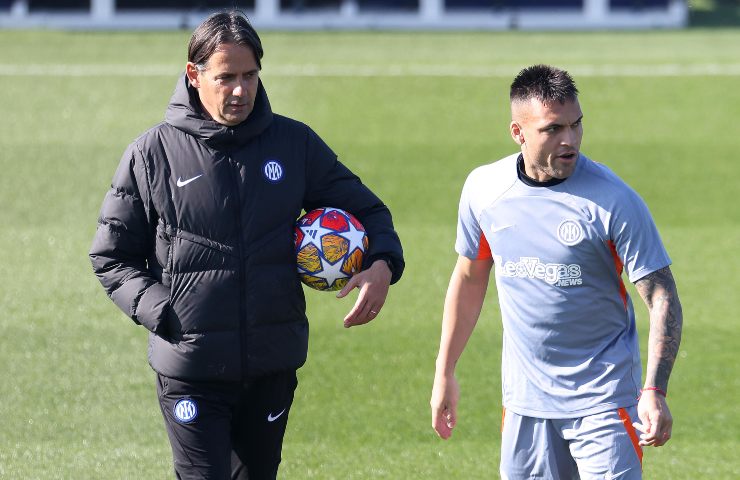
[[205, 286], [163, 251]]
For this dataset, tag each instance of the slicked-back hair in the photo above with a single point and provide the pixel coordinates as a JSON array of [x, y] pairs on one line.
[[544, 83], [230, 27]]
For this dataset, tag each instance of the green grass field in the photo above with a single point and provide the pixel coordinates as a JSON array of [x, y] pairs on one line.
[[412, 114]]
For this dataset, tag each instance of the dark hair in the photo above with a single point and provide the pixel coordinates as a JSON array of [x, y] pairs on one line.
[[221, 28], [545, 83]]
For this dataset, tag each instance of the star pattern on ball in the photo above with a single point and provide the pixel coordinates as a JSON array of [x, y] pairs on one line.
[[355, 238], [312, 234], [331, 272], [333, 233]]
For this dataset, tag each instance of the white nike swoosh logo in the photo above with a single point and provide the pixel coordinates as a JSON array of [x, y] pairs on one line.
[[498, 229], [270, 418], [182, 183]]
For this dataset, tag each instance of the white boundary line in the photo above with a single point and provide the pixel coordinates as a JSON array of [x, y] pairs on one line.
[[411, 70]]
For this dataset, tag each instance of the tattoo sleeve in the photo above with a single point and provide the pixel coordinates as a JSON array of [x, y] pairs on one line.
[[658, 290]]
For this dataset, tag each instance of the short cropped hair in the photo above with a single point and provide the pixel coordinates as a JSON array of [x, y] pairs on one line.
[[544, 83], [223, 28]]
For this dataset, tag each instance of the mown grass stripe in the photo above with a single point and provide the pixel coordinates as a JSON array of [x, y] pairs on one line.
[[316, 70]]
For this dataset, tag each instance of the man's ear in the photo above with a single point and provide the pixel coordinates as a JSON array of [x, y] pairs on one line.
[[192, 72], [516, 132]]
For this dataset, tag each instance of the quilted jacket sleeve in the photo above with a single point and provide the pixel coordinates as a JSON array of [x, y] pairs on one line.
[[124, 241], [331, 184]]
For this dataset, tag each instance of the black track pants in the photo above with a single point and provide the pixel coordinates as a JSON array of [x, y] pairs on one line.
[[221, 431]]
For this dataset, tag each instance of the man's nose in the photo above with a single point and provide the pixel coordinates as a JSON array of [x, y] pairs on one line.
[[240, 88], [570, 137]]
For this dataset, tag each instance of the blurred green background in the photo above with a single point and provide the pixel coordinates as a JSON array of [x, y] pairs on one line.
[[714, 13], [412, 114]]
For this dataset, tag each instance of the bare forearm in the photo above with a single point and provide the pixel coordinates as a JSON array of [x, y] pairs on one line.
[[463, 304], [460, 317], [658, 290]]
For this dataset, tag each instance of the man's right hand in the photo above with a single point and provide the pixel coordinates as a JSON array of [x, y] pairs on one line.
[[445, 395]]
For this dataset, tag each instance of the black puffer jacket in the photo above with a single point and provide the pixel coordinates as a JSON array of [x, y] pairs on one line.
[[195, 237]]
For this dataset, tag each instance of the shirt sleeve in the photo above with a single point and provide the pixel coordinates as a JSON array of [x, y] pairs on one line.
[[471, 242], [636, 238]]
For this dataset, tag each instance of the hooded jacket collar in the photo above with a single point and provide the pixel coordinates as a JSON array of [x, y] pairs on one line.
[[185, 113]]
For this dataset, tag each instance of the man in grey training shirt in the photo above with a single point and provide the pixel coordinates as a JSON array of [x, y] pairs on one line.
[[559, 229]]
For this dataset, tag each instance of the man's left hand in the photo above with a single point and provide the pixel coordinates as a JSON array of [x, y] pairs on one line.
[[373, 284], [656, 419]]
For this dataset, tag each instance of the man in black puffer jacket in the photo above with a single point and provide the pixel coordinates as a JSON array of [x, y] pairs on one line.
[[195, 243]]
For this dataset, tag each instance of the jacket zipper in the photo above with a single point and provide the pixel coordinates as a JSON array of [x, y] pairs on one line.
[[242, 281]]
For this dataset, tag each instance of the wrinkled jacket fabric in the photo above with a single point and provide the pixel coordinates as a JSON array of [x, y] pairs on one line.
[[195, 237]]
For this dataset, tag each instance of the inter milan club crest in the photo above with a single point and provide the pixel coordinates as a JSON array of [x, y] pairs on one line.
[[570, 232], [185, 410], [273, 171]]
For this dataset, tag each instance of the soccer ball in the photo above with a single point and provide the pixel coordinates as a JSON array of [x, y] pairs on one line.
[[329, 245]]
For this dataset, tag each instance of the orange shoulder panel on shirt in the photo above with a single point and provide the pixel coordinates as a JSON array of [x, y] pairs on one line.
[[484, 250], [619, 266]]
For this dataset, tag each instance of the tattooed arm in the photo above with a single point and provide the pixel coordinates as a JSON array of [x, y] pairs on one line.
[[658, 290]]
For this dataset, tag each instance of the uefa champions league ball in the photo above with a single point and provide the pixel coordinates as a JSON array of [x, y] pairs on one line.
[[329, 245]]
